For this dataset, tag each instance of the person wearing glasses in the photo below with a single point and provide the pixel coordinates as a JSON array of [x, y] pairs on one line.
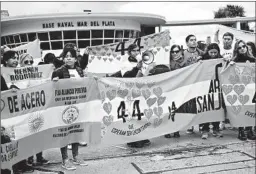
[[241, 54], [26, 60]]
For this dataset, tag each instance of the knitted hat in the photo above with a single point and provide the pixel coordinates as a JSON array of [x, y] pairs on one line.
[[23, 56]]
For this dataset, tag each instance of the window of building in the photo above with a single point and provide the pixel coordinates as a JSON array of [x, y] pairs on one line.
[[11, 39], [3, 41], [97, 33], [7, 40], [126, 33], [96, 42], [69, 34], [55, 35], [57, 45], [16, 45], [108, 41], [23, 37], [109, 33], [83, 43], [119, 34], [32, 36], [45, 45], [43, 36], [118, 40], [16, 39], [84, 34], [69, 41]]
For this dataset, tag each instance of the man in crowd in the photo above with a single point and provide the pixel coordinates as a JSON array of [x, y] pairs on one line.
[[227, 46]]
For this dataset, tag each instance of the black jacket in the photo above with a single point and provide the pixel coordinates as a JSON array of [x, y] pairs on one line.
[[63, 72]]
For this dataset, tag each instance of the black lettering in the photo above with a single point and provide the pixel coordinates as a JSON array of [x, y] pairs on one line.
[[254, 98], [217, 85], [23, 105], [211, 101], [33, 100], [199, 103], [122, 50], [204, 104], [136, 107], [220, 101], [10, 104], [28, 101], [211, 89], [122, 108], [37, 99]]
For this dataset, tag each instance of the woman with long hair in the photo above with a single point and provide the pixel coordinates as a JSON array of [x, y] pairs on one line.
[[242, 54]]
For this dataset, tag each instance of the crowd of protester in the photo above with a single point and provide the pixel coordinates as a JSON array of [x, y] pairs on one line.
[[71, 64]]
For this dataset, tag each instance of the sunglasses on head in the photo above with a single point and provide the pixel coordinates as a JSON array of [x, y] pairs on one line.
[[175, 51], [28, 62], [239, 48]]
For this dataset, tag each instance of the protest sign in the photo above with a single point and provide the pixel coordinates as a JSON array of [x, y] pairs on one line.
[[24, 77], [32, 48], [108, 58], [238, 84]]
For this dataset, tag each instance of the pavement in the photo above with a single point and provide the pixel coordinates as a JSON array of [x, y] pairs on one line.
[[187, 154]]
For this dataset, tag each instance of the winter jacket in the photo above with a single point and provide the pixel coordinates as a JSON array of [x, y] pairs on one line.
[[63, 72]]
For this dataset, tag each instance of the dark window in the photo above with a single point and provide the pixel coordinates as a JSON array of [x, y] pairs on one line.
[[108, 41], [125, 39], [97, 33], [11, 39], [3, 41], [43, 36], [108, 33], [16, 39], [16, 45], [7, 39], [84, 34], [69, 34], [96, 42], [119, 34], [118, 40], [23, 37], [83, 43], [126, 33], [55, 35], [45, 45], [57, 45], [69, 41], [137, 34], [32, 36]]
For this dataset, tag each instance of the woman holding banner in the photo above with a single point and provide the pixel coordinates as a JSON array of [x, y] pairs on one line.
[[241, 54], [70, 69]]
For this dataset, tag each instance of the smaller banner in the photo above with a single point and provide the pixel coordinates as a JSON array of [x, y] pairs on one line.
[[238, 86], [32, 48], [25, 77], [108, 58]]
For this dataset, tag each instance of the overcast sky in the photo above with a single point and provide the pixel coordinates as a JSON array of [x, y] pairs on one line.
[[170, 10]]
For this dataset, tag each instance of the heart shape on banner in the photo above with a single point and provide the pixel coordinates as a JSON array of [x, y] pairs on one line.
[[110, 59], [243, 99], [114, 55], [107, 120], [236, 109], [247, 70], [106, 48], [158, 91], [151, 84], [232, 99], [246, 80], [90, 60], [239, 89], [158, 49], [111, 94], [166, 50], [155, 52], [98, 48], [122, 93], [161, 100], [103, 53], [157, 122], [148, 113], [151, 101], [108, 54], [139, 85], [136, 93], [129, 85], [233, 79], [227, 89], [105, 59], [92, 57], [94, 53], [158, 111], [112, 49], [146, 93], [118, 58], [99, 57], [107, 107]]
